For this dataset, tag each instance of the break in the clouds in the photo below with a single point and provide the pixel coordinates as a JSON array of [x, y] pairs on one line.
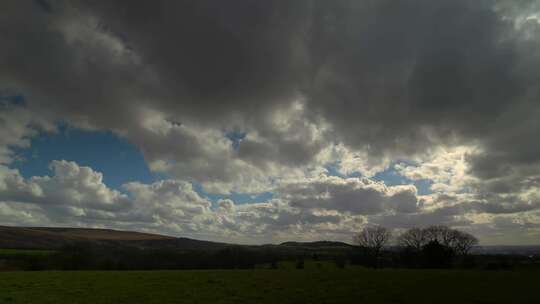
[[307, 101]]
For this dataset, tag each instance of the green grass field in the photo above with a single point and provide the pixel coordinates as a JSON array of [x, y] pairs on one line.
[[27, 252], [351, 285]]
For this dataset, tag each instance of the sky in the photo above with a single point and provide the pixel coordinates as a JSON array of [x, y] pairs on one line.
[[267, 121]]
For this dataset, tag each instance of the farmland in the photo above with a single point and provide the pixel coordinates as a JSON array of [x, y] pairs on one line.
[[315, 284]]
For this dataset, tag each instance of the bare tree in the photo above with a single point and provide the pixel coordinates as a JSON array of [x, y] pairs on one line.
[[460, 242], [413, 238], [442, 234], [464, 242], [373, 238]]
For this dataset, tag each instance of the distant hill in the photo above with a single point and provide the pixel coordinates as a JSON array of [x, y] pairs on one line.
[[55, 238], [94, 234], [317, 244], [508, 250]]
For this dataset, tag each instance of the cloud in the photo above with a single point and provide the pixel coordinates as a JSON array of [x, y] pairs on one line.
[[354, 195], [168, 200], [386, 79], [323, 207], [76, 195], [71, 186], [444, 91], [446, 167], [17, 215], [17, 127]]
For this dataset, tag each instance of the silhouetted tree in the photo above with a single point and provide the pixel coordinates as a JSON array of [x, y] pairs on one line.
[[414, 238], [464, 242], [434, 246], [437, 255], [460, 242], [373, 239]]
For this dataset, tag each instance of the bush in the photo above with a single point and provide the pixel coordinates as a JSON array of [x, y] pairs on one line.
[[436, 255], [300, 264]]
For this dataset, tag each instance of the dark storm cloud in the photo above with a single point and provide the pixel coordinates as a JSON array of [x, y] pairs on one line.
[[390, 77], [238, 56], [74, 75], [44, 5], [392, 73], [398, 77], [200, 63]]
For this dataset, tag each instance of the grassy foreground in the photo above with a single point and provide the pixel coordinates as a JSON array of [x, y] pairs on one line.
[[29, 252], [351, 285]]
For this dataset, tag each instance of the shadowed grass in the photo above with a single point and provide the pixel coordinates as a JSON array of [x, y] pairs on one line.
[[26, 252], [351, 285]]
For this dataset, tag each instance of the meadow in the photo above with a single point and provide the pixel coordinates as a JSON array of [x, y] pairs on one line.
[[24, 252], [315, 284]]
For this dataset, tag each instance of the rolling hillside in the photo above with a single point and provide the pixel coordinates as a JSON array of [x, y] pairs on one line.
[[55, 238]]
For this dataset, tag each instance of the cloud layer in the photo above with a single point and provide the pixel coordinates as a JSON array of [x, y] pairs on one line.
[[250, 96]]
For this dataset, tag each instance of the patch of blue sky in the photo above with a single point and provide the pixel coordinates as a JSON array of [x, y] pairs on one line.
[[118, 160], [333, 169], [236, 138], [390, 177], [8, 99]]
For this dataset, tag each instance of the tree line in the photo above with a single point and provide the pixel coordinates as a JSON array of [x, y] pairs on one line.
[[428, 247], [434, 246]]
